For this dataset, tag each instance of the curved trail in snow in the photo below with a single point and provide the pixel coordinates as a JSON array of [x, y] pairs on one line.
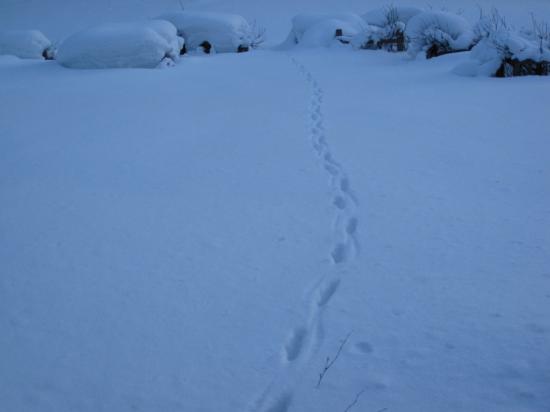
[[305, 340]]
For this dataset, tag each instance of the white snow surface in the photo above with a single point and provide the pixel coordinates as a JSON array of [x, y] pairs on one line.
[[203, 238], [25, 44], [318, 29], [443, 27], [224, 31], [121, 45]]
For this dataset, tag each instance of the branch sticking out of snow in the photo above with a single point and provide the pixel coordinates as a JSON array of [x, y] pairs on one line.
[[257, 34], [357, 396], [329, 362]]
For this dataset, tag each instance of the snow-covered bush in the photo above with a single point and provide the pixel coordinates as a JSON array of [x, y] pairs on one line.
[[257, 35], [145, 45], [224, 33], [322, 30], [488, 24], [437, 33], [539, 32], [502, 51], [26, 44], [386, 29], [379, 17]]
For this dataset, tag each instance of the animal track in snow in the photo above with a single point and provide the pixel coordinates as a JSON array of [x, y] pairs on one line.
[[295, 344], [364, 347], [351, 226], [281, 404], [339, 202], [333, 171], [327, 292], [339, 253], [308, 339]]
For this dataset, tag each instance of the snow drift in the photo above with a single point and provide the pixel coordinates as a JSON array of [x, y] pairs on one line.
[[139, 45], [26, 44], [224, 32], [320, 30], [437, 33]]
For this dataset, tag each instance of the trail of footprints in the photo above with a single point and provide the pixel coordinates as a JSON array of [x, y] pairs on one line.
[[343, 198], [304, 340]]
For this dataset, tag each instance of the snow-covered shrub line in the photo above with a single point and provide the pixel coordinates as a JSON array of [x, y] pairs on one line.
[[146, 44], [26, 44], [503, 51]]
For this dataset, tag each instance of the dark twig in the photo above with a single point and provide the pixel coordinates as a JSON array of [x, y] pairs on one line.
[[351, 405], [329, 362]]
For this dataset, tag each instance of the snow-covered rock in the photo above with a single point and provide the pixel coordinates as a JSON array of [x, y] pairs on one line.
[[319, 30], [25, 44], [379, 17], [438, 32], [140, 44], [223, 32]]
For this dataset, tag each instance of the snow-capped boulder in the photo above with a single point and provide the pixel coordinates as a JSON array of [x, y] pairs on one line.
[[379, 17], [141, 45], [26, 44], [321, 30], [438, 33], [222, 32]]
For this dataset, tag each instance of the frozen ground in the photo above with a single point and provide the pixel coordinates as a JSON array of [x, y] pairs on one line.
[[202, 238]]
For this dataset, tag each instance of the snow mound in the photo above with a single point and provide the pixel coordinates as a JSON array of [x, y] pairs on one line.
[[122, 45], [379, 17], [319, 30], [447, 32], [224, 32], [25, 44]]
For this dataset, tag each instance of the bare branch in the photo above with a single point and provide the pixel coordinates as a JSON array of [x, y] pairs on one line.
[[351, 405], [329, 362], [257, 34]]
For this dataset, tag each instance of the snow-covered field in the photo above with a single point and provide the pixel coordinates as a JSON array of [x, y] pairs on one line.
[[203, 237]]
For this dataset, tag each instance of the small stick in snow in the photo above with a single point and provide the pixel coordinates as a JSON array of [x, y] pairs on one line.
[[329, 362], [351, 405]]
